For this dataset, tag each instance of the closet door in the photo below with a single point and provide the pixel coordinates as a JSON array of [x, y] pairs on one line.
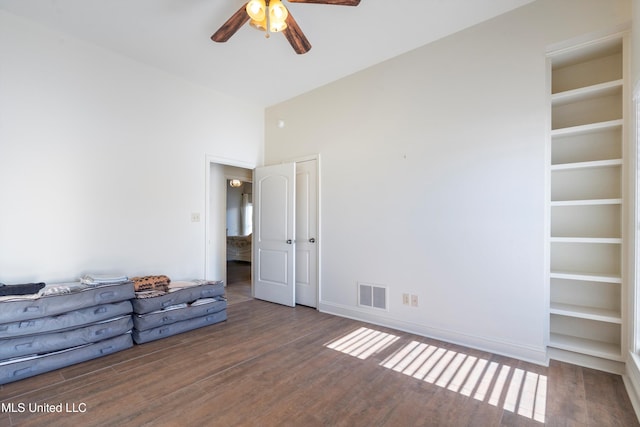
[[274, 233], [306, 233]]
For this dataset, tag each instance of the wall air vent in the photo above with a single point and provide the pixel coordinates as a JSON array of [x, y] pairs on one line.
[[372, 296]]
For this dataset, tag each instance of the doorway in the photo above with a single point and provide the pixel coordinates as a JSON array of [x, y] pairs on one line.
[[218, 171], [239, 233], [215, 262]]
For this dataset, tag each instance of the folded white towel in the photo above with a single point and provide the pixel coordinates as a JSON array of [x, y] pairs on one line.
[[203, 301], [176, 306], [102, 279], [180, 284], [63, 288]]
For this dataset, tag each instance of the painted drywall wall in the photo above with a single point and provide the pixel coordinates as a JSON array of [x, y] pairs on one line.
[[433, 178], [635, 45], [102, 159]]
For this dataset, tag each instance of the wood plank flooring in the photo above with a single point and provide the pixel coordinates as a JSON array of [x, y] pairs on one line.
[[238, 281], [269, 365]]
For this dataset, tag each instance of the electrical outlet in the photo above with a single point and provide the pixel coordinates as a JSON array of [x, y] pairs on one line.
[[405, 299], [414, 300]]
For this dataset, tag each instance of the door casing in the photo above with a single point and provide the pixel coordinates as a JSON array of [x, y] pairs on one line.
[[208, 251]]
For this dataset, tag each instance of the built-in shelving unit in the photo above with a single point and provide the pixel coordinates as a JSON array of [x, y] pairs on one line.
[[586, 241]]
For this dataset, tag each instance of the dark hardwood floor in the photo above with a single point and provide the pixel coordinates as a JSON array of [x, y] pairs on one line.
[[238, 282], [269, 365], [238, 271]]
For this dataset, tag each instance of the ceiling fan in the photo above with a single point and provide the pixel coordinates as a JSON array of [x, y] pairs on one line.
[[272, 16]]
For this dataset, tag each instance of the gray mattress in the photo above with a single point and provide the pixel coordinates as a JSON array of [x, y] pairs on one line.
[[30, 308], [154, 319], [64, 321], [189, 294], [54, 341], [20, 368], [164, 331]]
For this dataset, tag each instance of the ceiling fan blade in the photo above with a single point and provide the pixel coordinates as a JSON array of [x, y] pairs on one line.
[[296, 37], [337, 2], [232, 25]]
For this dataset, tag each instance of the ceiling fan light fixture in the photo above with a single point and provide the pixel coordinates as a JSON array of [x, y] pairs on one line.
[[256, 9], [272, 16], [277, 11], [277, 26], [259, 25], [277, 16]]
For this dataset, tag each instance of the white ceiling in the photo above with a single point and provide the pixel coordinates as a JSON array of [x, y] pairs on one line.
[[174, 35]]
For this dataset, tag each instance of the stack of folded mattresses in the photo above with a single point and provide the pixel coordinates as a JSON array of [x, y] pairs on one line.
[[46, 327], [163, 308]]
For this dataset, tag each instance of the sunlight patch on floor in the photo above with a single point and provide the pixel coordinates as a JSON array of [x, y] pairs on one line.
[[363, 342], [516, 390]]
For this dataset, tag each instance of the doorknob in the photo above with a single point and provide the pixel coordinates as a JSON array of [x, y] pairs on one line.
[[289, 242], [312, 240]]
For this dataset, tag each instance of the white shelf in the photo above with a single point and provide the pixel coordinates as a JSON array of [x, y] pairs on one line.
[[588, 277], [587, 165], [606, 365], [584, 93], [586, 346], [591, 127], [590, 202], [586, 245], [594, 180], [591, 313], [606, 240]]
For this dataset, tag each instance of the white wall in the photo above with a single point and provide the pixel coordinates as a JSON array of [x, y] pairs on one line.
[[635, 57], [433, 177], [102, 159], [635, 44]]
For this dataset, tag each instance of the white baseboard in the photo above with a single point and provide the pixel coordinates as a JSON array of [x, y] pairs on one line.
[[632, 381], [537, 355]]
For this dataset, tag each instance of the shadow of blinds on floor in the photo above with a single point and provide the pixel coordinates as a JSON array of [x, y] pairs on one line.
[[516, 390]]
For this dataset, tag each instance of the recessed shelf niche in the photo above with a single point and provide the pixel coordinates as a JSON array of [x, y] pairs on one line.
[[586, 203]]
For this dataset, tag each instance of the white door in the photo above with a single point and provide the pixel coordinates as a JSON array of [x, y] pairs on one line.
[[274, 233], [306, 233]]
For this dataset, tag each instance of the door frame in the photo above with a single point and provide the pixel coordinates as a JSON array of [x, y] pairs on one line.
[[211, 159], [224, 161]]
